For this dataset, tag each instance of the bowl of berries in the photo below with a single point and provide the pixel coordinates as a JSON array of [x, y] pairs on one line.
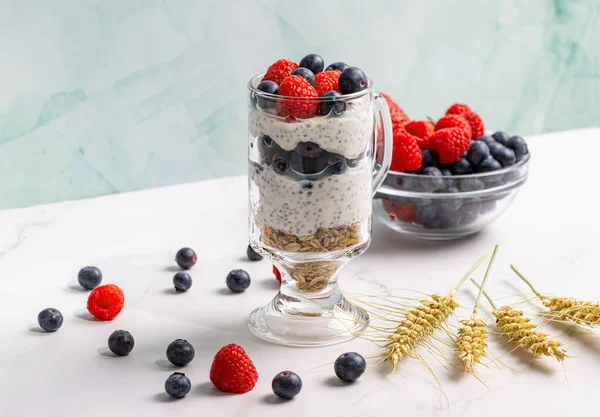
[[451, 178]]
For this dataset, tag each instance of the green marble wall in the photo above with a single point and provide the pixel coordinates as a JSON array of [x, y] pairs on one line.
[[107, 96]]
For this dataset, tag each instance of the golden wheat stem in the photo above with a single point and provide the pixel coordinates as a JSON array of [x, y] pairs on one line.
[[485, 294], [485, 277], [467, 275], [526, 281]]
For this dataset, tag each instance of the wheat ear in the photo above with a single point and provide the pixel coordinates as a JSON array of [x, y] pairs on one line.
[[421, 322], [514, 325], [567, 309], [472, 334]]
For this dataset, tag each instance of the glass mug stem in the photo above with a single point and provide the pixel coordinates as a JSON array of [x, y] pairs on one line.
[[311, 183]]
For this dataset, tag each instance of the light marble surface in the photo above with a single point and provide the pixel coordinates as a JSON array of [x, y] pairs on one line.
[[103, 96], [550, 233]]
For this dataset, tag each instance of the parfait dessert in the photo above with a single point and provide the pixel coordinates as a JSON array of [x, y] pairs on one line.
[[311, 179]]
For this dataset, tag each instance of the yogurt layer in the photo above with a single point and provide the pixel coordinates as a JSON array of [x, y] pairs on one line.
[[287, 205], [347, 135]]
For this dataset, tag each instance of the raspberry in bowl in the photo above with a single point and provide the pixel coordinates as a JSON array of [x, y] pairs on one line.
[[314, 131], [449, 180]]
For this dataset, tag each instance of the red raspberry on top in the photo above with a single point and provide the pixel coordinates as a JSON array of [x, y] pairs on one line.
[[106, 302], [454, 120], [422, 130], [279, 71], [451, 143], [458, 108], [327, 81], [406, 154], [477, 128], [299, 89], [232, 370]]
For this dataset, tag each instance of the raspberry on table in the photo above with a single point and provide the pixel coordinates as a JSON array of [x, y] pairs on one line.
[[106, 302], [300, 103], [406, 154], [279, 70], [232, 370], [458, 108], [451, 143], [422, 130], [327, 81]]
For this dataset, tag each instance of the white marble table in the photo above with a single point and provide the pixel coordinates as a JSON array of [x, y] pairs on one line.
[[550, 232]]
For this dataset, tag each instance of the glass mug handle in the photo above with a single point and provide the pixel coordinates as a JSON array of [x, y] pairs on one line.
[[383, 130]]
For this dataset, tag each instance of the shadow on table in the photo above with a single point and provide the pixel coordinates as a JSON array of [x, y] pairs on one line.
[[207, 389], [164, 363], [163, 397], [35, 328], [585, 337], [84, 314], [104, 351], [76, 288], [273, 399]]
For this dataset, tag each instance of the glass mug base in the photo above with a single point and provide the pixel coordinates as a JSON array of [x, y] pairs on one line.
[[302, 322]]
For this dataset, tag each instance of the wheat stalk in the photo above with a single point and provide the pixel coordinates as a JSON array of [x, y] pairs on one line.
[[567, 309], [421, 322], [514, 325], [472, 334]]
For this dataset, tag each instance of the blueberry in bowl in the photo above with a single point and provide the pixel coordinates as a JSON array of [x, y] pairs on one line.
[[446, 202]]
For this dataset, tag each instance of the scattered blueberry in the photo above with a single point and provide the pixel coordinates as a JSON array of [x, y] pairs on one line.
[[89, 277], [269, 87], [461, 167], [340, 66], [426, 213], [286, 385], [489, 164], [186, 258], [332, 103], [430, 158], [182, 281], [350, 366], [308, 149], [518, 144], [352, 80], [121, 342], [487, 139], [478, 151], [180, 352], [313, 62], [501, 137], [50, 319], [178, 385], [238, 280], [252, 255], [470, 184], [431, 179], [306, 74]]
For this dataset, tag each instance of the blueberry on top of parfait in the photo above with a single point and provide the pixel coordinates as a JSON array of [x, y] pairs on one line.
[[313, 62]]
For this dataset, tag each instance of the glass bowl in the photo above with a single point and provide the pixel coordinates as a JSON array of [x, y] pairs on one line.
[[447, 207]]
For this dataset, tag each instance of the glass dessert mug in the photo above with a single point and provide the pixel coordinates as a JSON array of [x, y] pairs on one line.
[[311, 183]]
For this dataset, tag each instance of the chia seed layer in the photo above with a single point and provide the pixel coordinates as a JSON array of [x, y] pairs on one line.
[[288, 205]]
